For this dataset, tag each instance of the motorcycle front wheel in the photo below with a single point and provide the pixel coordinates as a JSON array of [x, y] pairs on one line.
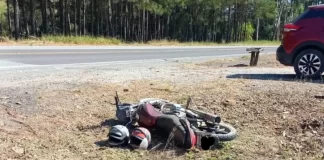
[[226, 132]]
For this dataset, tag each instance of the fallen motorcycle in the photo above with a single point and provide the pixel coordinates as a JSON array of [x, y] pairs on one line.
[[189, 127], [208, 128]]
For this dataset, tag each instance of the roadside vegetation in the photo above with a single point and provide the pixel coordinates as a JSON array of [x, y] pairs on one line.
[[153, 22], [89, 40]]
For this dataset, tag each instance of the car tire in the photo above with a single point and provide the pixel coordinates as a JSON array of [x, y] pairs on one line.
[[309, 64]]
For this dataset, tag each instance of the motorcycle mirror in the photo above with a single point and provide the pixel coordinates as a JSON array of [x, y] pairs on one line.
[[188, 102], [117, 101]]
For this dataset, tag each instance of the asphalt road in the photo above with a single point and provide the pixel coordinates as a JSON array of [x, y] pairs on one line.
[[30, 55]]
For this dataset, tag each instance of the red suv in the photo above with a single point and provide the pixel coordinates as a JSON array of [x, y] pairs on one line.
[[302, 44]]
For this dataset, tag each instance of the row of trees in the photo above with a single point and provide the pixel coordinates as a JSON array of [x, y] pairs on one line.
[[143, 20]]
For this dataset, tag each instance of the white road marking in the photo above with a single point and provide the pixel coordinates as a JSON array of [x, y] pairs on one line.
[[7, 63], [227, 49]]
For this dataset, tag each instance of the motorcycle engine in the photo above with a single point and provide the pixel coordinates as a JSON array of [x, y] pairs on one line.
[[125, 112]]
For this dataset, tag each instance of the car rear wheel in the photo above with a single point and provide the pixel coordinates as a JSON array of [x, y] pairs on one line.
[[309, 64]]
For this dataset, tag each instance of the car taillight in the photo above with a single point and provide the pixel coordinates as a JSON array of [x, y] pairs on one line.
[[290, 28]]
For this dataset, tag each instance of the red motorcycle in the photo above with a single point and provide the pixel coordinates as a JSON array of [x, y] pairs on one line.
[[190, 128]]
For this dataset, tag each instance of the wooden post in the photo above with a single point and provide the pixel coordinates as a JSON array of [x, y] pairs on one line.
[[252, 59], [256, 58], [254, 55]]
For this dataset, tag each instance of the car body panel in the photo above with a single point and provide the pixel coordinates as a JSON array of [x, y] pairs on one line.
[[309, 33]]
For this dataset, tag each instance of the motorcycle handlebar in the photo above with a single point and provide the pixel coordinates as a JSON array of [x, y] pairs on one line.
[[207, 116]]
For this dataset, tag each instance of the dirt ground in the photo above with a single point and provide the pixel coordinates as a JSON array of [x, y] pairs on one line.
[[265, 60], [275, 119]]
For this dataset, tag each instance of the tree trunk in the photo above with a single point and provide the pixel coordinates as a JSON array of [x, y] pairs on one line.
[[278, 20], [129, 19], [84, 17], [147, 27], [25, 18], [133, 22], [44, 16], [75, 18], [235, 22], [125, 22], [245, 29], [97, 11], [228, 39], [92, 15], [258, 26], [102, 21], [67, 18], [106, 28], [62, 16], [109, 18], [1, 29], [9, 17], [167, 30], [69, 24], [139, 31], [79, 17], [16, 20], [159, 28], [143, 25], [52, 9], [191, 25], [114, 19], [155, 25], [121, 18]]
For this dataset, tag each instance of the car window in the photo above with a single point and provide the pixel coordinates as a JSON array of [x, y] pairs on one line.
[[308, 14], [321, 13]]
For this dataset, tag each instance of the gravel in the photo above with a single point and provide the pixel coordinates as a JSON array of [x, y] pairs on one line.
[[174, 71]]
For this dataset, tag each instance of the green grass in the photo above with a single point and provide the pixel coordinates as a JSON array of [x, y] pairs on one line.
[[177, 43], [81, 40], [89, 40], [261, 42]]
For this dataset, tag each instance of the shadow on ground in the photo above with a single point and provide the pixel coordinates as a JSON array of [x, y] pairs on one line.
[[239, 65], [275, 77]]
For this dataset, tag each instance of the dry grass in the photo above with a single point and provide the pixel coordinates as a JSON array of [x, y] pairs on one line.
[[267, 116]]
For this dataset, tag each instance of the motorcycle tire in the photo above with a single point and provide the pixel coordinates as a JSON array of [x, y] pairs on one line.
[[230, 132]]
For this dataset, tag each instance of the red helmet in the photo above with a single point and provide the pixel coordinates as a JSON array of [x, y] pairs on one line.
[[140, 138]]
